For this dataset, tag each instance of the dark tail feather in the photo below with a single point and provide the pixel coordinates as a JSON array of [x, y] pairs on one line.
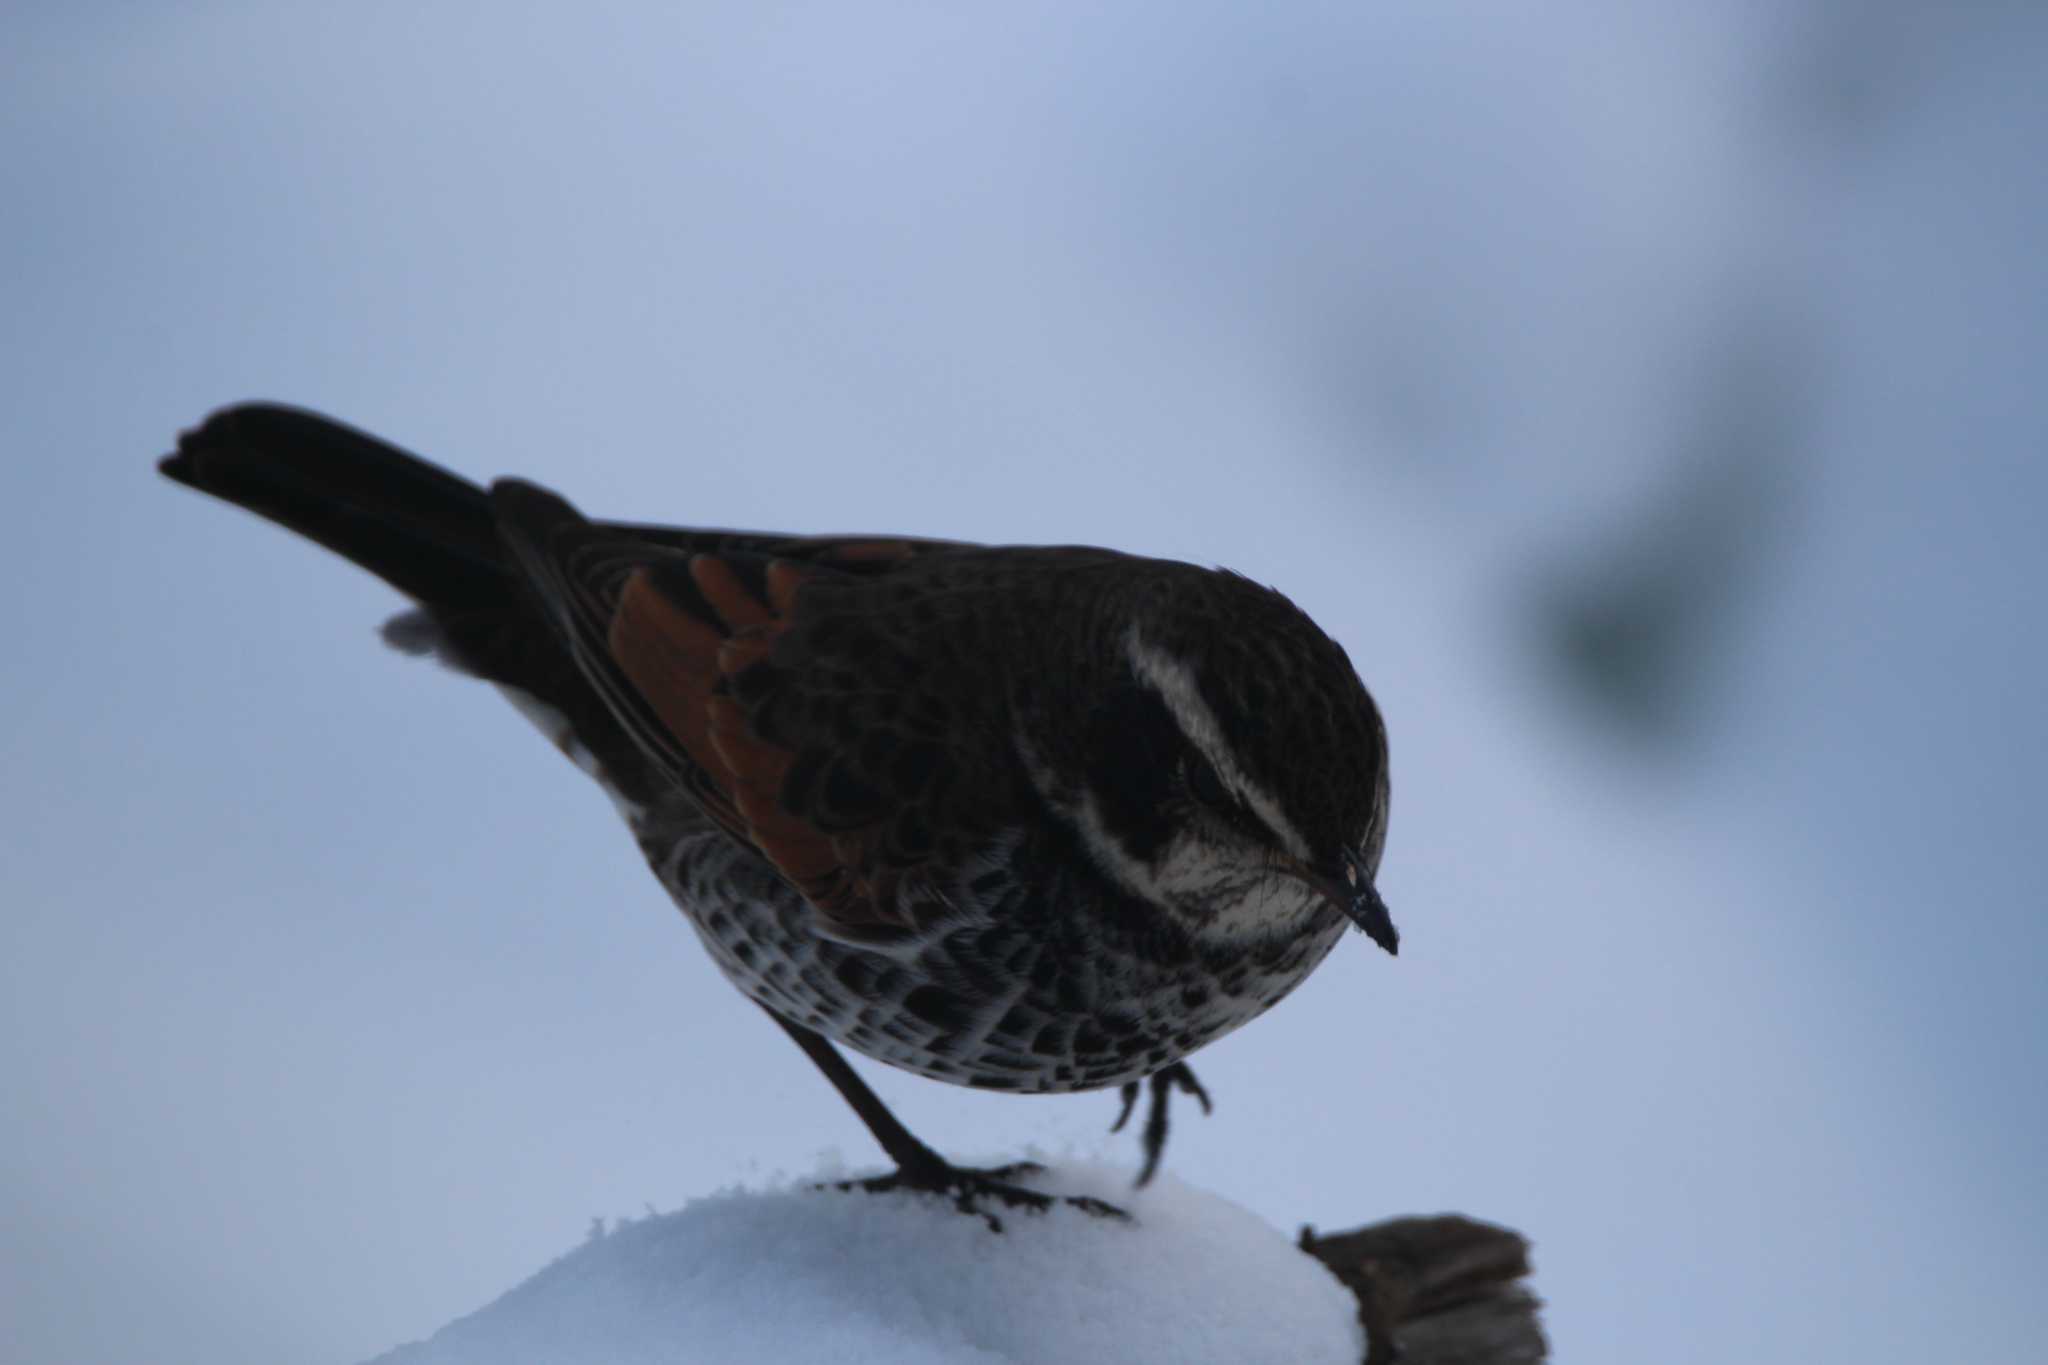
[[419, 528], [424, 531]]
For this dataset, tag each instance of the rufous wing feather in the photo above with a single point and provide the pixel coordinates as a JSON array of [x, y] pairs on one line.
[[702, 650]]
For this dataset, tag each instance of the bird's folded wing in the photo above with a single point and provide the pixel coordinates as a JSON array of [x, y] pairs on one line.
[[767, 683]]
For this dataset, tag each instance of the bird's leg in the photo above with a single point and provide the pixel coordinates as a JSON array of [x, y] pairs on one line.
[[918, 1167], [1164, 1083]]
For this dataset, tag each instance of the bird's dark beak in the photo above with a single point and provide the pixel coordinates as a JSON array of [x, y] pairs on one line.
[[1350, 889]]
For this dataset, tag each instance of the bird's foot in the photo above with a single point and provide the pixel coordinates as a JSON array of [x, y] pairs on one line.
[[972, 1190], [1163, 1083]]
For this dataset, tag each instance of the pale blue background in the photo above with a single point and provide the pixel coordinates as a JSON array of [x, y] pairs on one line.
[[334, 1003]]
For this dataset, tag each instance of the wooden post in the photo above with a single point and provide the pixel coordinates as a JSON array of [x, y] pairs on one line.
[[1437, 1291]]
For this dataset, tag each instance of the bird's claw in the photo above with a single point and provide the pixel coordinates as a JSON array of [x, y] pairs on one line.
[[967, 1188], [1163, 1082]]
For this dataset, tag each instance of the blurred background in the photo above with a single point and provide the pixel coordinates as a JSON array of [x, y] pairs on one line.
[[1649, 397]]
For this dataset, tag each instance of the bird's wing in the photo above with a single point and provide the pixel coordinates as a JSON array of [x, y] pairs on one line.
[[780, 683]]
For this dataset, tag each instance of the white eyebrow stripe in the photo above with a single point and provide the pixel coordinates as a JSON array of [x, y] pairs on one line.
[[1170, 678]]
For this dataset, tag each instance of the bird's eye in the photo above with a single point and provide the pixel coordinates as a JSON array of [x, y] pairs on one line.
[[1208, 788]]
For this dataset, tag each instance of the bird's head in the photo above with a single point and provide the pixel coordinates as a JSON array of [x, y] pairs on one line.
[[1231, 768]]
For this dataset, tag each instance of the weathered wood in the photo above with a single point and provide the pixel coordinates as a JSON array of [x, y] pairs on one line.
[[1437, 1291]]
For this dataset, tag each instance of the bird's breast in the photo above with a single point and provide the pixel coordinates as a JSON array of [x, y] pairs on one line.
[[1059, 986]]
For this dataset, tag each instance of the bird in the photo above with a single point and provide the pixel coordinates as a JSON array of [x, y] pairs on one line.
[[1035, 819]]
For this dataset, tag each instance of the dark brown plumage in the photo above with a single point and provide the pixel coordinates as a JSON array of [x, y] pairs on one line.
[[1034, 819]]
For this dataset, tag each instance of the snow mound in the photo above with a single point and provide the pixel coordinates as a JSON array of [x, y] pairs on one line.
[[801, 1274]]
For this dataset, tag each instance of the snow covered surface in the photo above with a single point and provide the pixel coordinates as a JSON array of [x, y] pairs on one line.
[[802, 1274]]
